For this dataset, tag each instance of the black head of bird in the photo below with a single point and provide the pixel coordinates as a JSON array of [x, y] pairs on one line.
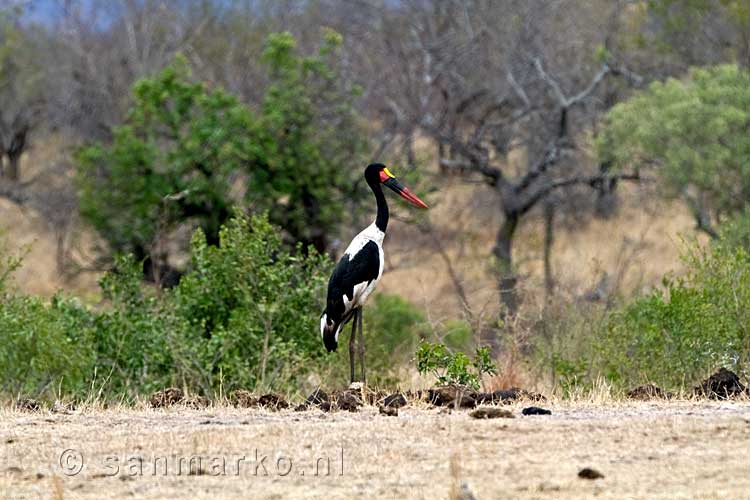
[[377, 173]]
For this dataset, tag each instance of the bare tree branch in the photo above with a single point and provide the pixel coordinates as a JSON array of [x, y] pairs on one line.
[[592, 181]]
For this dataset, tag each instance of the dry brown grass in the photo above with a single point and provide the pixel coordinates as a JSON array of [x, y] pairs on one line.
[[681, 449]]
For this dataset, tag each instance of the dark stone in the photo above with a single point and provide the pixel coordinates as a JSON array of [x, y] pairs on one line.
[[535, 410], [168, 397], [272, 401], [446, 395], [389, 411], [395, 401], [243, 399], [325, 406], [348, 400], [317, 397], [491, 412], [589, 473], [647, 392], [723, 384]]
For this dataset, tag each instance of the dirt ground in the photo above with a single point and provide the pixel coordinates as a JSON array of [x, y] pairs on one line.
[[644, 450]]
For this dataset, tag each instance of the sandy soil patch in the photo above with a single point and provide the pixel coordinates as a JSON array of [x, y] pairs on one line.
[[643, 450]]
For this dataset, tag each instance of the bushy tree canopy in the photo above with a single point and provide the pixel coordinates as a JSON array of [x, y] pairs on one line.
[[694, 132], [175, 158], [184, 149]]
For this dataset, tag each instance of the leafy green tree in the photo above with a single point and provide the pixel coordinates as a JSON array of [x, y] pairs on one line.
[[184, 149], [314, 145], [46, 347], [736, 232], [694, 132], [247, 313], [173, 160]]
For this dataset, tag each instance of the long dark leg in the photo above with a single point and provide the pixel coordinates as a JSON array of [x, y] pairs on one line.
[[361, 343], [351, 346]]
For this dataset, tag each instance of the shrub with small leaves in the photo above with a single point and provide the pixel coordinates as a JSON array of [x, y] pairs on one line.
[[454, 368], [679, 335]]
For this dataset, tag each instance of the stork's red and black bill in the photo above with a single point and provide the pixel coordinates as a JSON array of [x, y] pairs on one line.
[[388, 179]]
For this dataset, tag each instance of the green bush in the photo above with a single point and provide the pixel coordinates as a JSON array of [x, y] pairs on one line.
[[133, 354], [736, 233], [248, 312], [45, 348], [244, 316], [455, 368], [675, 337]]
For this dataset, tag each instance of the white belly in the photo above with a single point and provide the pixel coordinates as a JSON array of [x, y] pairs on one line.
[[363, 290]]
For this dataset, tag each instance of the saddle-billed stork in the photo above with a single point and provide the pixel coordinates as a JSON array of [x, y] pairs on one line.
[[355, 276]]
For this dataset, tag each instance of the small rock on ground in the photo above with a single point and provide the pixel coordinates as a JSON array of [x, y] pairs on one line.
[[389, 411], [535, 410], [168, 397], [396, 400], [647, 392], [348, 401], [246, 399], [272, 401], [491, 412], [723, 384], [446, 395], [243, 399], [589, 473], [196, 402], [28, 404]]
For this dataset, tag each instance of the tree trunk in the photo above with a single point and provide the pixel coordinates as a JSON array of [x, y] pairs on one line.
[[13, 171], [503, 254], [409, 149], [549, 239], [2, 166], [507, 280], [14, 152], [441, 155]]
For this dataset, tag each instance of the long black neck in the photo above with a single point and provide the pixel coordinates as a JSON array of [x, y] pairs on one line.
[[381, 221]]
